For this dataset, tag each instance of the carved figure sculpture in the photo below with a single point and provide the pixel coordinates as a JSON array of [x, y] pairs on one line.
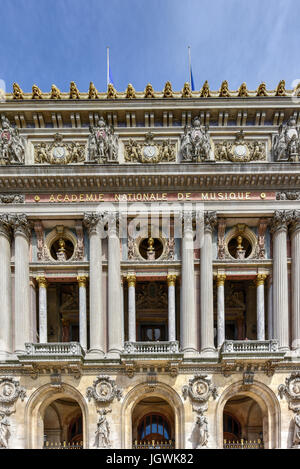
[[205, 92], [243, 92], [286, 144], [186, 91], [149, 92], [168, 92], [102, 143], [103, 430], [4, 430], [74, 93], [55, 93], [130, 92], [93, 93], [17, 92], [262, 90], [36, 92], [195, 143], [296, 438], [280, 91], [224, 91], [12, 146], [111, 92], [203, 429]]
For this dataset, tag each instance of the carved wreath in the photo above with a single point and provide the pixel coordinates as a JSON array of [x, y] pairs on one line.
[[199, 389], [291, 390], [10, 390], [103, 390]]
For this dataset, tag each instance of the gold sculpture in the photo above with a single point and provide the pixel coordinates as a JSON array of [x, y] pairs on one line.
[[111, 92], [36, 92], [205, 92], [130, 92], [224, 91], [74, 93], [280, 91], [17, 92], [296, 91], [243, 92], [239, 243], [93, 92], [55, 93], [168, 92], [262, 90], [150, 245], [186, 91], [149, 92]]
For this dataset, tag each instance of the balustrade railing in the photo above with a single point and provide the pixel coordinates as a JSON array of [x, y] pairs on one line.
[[153, 444], [151, 347], [249, 346], [243, 444], [63, 445], [54, 348]]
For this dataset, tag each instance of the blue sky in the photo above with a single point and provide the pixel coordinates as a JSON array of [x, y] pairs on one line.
[[57, 41]]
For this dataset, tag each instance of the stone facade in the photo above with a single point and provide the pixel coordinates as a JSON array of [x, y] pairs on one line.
[[149, 269]]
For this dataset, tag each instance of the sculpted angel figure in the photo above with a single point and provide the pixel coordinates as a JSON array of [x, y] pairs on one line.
[[4, 430], [133, 150], [103, 431]]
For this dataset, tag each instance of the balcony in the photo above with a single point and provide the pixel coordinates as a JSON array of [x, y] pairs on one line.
[[53, 351], [254, 349], [152, 350]]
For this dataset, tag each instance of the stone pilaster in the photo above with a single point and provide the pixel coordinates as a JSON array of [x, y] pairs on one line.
[[6, 332], [206, 285], [188, 319], [81, 279], [260, 305], [280, 279], [43, 334], [115, 315], [171, 279], [131, 279], [94, 224], [22, 232], [295, 287], [221, 309]]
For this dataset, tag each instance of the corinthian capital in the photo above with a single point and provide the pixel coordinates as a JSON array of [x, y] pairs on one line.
[[188, 220], [112, 219], [5, 225], [92, 221], [21, 225], [210, 220], [294, 220], [280, 221]]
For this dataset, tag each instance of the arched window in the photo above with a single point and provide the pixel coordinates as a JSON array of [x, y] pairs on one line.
[[75, 430], [231, 427], [154, 427]]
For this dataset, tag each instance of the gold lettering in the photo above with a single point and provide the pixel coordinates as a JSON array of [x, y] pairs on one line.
[[204, 196], [74, 198], [152, 197], [66, 199], [117, 197], [232, 196], [145, 196], [59, 198], [52, 198], [89, 197], [180, 196], [221, 195], [100, 197], [164, 196], [248, 195]]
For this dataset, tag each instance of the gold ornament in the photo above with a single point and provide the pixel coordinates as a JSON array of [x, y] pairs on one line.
[[280, 91], [171, 279], [42, 282], [260, 279], [186, 91], [55, 93], [17, 92], [262, 90], [93, 93], [111, 92], [243, 92], [130, 92], [131, 279], [81, 281], [149, 92], [150, 245], [36, 93], [74, 93], [221, 280], [168, 92], [224, 91], [205, 92], [239, 241]]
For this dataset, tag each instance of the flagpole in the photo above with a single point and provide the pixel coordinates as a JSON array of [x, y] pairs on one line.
[[107, 65], [190, 75]]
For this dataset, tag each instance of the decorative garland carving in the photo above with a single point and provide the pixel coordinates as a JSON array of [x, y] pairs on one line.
[[59, 152], [12, 199], [104, 390], [199, 389], [149, 151], [241, 151], [10, 391], [291, 391]]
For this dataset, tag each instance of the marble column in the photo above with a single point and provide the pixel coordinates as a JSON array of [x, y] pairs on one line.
[[94, 224], [280, 280], [188, 319], [295, 279], [270, 309], [81, 279], [171, 279], [22, 232], [115, 315], [131, 279], [43, 333], [260, 306], [221, 309], [206, 286], [6, 332]]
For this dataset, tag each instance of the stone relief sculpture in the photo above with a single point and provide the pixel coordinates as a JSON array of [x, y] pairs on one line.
[[12, 199], [202, 425], [4, 429], [103, 429], [149, 151], [104, 390], [296, 436], [12, 146], [10, 392], [195, 143], [59, 152], [286, 144], [291, 391], [102, 143], [240, 151]]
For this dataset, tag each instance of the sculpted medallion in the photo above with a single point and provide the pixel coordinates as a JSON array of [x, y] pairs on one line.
[[240, 151], [149, 151], [104, 390], [59, 152]]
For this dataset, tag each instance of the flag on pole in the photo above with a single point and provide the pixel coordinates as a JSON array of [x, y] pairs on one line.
[[191, 78], [109, 77]]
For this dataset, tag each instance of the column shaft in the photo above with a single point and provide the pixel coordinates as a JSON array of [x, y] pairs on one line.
[[43, 334], [260, 306], [171, 308], [295, 241], [131, 308], [5, 288], [221, 309], [82, 312], [270, 311]]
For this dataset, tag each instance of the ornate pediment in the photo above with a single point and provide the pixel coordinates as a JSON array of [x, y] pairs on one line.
[[149, 151], [241, 150], [59, 152]]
